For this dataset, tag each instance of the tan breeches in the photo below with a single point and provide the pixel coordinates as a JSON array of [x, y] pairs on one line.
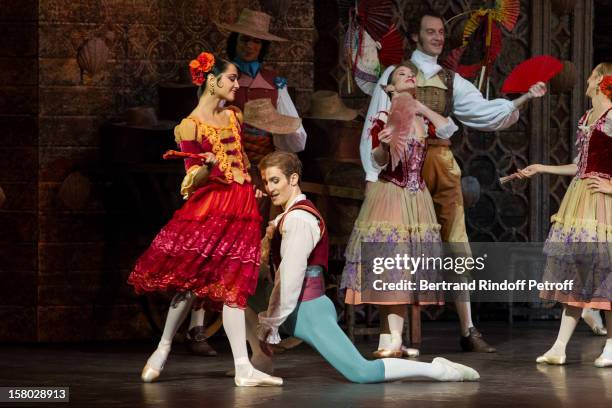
[[443, 178]]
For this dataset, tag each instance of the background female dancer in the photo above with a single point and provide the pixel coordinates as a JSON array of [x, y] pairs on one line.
[[397, 208], [584, 216]]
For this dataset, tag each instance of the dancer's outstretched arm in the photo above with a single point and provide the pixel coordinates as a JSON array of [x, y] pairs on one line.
[[473, 110], [535, 91], [563, 170]]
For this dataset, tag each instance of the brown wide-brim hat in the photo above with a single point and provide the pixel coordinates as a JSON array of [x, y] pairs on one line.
[[328, 105], [252, 23], [261, 114]]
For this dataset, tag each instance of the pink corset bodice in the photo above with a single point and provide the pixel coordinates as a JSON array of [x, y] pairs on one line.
[[407, 174]]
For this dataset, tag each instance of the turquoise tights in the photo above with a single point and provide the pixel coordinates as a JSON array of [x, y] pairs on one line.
[[314, 321]]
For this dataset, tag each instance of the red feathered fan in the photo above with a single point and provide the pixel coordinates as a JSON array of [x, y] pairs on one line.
[[375, 16], [527, 73], [401, 118], [391, 47]]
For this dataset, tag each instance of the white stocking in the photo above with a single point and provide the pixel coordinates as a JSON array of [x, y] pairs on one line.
[[439, 369], [197, 318], [592, 317], [605, 359], [569, 320], [261, 361], [384, 341], [607, 351], [234, 325], [396, 327], [176, 315], [464, 311]]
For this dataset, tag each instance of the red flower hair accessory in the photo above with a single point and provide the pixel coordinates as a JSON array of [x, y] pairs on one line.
[[606, 86], [200, 66]]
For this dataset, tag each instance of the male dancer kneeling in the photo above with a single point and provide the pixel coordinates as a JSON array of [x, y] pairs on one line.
[[298, 303]]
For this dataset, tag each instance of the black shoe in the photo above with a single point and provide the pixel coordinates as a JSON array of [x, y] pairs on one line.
[[197, 344], [475, 342]]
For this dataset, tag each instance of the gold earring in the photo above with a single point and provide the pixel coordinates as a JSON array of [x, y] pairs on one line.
[[212, 88]]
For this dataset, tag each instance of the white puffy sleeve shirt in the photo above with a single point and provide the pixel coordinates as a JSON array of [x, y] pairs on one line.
[[300, 234], [379, 102], [292, 142], [473, 110]]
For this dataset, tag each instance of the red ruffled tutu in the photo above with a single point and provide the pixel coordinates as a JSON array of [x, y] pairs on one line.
[[210, 247]]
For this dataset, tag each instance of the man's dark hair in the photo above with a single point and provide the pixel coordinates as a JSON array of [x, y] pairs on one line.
[[232, 40], [414, 23]]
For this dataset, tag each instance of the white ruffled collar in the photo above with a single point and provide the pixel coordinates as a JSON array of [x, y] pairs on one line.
[[427, 64], [297, 198]]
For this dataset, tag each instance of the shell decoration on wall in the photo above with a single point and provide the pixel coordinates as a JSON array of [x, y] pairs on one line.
[[75, 191], [92, 56], [2, 197]]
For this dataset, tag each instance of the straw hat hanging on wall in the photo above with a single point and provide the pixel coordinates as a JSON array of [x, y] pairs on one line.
[[328, 105]]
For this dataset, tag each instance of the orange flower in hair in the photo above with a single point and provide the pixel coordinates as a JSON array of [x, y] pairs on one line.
[[201, 66]]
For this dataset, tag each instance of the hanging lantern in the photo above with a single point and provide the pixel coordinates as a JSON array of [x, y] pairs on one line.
[[2, 197], [92, 56], [565, 80], [470, 188], [563, 7], [74, 191]]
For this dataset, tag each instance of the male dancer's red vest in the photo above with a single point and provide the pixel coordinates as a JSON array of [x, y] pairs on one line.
[[313, 286], [320, 253]]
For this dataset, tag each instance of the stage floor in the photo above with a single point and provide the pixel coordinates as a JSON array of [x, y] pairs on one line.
[[107, 375]]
